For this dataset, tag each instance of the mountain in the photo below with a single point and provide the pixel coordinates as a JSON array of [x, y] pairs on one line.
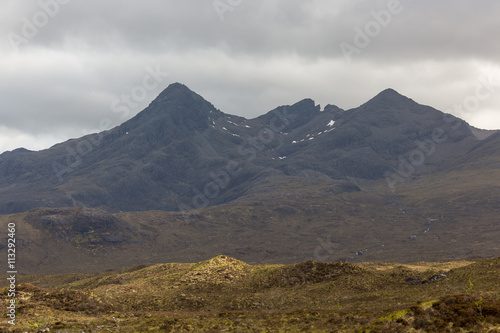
[[181, 152], [183, 181]]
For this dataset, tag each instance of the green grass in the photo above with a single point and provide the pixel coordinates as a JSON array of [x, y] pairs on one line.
[[226, 295]]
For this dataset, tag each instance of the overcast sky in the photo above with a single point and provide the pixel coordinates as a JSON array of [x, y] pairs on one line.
[[66, 66]]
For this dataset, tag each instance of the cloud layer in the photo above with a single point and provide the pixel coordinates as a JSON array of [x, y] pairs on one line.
[[66, 64]]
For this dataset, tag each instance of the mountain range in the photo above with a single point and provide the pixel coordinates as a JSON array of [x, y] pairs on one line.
[[182, 169], [182, 152]]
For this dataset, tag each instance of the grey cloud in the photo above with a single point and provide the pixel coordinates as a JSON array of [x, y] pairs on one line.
[[315, 28], [263, 54]]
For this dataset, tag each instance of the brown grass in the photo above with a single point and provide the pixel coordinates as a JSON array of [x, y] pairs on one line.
[[224, 294]]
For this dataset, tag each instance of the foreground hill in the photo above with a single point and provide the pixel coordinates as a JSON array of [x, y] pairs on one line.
[[226, 295]]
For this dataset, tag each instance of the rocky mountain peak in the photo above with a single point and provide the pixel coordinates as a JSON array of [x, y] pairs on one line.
[[169, 152], [388, 98], [180, 107], [175, 91], [177, 96]]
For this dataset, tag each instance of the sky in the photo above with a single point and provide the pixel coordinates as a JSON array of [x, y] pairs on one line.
[[69, 67]]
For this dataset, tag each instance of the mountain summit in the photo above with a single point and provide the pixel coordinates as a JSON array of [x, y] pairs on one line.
[[178, 106], [389, 99], [183, 152], [389, 95]]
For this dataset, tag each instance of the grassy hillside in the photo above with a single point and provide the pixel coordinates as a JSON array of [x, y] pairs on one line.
[[227, 295], [444, 217]]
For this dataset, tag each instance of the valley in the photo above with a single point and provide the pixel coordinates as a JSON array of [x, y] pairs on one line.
[[380, 218]]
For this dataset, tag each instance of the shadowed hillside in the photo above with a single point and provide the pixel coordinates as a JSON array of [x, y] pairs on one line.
[[445, 217]]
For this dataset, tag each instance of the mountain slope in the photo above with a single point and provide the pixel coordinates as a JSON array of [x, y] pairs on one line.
[[446, 217], [183, 181], [182, 153]]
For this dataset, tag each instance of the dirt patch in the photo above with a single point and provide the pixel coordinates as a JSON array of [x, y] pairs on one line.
[[219, 270]]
